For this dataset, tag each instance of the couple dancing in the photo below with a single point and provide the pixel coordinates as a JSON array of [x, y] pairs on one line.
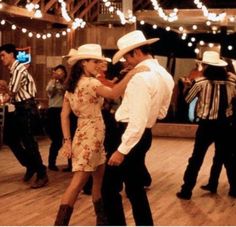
[[147, 90]]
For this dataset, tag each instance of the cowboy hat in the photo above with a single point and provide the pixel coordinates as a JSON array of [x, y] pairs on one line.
[[71, 52], [86, 51], [129, 42], [212, 58]]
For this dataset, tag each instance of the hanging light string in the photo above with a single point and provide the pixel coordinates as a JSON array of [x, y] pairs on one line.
[[210, 16], [31, 7], [191, 41], [173, 16], [123, 20], [32, 34], [77, 22], [111, 7]]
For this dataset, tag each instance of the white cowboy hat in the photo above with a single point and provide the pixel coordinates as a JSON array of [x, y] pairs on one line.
[[71, 52], [129, 42], [86, 51], [122, 60], [108, 59], [212, 58]]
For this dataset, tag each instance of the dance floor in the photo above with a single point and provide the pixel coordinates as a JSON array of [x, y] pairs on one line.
[[166, 161]]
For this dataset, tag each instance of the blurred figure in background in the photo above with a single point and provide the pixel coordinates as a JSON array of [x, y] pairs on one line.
[[55, 92], [184, 84]]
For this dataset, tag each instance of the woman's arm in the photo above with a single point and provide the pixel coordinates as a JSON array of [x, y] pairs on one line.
[[119, 88], [65, 125]]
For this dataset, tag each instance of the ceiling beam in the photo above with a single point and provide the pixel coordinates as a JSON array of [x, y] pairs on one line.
[[15, 2], [19, 11], [78, 6], [49, 5], [88, 7], [35, 1], [137, 3]]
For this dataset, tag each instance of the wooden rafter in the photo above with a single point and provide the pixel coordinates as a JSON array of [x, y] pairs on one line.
[[86, 10], [15, 2], [36, 1], [137, 3], [78, 6], [49, 5], [146, 4], [19, 11]]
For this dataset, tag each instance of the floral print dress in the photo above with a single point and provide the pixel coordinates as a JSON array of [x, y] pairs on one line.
[[87, 147]]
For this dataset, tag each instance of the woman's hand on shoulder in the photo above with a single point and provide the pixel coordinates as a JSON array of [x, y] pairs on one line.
[[139, 69]]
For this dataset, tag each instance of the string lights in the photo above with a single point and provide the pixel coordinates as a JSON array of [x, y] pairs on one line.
[[32, 34], [210, 16], [77, 22], [31, 7], [35, 8], [170, 18], [112, 8], [129, 18]]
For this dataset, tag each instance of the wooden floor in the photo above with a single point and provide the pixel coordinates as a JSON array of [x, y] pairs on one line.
[[166, 160]]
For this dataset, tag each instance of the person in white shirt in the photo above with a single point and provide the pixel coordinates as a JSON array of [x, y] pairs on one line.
[[147, 98]]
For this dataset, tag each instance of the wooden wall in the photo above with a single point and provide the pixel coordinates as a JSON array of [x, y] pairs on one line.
[[47, 53]]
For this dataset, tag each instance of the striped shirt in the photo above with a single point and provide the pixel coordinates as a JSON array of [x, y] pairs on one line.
[[21, 83], [209, 94]]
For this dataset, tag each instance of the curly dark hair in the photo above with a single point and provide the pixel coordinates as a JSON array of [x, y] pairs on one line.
[[75, 75]]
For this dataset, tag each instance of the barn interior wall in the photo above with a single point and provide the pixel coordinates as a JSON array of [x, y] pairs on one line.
[[48, 53]]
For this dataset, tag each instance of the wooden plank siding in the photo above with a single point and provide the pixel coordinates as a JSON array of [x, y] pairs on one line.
[[44, 52]]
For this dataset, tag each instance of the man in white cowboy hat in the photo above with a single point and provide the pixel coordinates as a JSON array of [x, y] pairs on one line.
[[215, 90], [146, 99]]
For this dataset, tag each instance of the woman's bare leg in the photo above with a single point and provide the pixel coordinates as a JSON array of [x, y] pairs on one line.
[[77, 182]]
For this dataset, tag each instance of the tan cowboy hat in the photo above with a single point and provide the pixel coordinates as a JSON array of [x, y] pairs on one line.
[[212, 58], [71, 53], [86, 51], [129, 42]]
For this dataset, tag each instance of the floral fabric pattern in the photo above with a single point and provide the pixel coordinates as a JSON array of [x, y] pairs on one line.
[[87, 147]]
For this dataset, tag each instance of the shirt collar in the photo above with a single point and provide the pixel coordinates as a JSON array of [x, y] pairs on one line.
[[147, 62], [13, 66]]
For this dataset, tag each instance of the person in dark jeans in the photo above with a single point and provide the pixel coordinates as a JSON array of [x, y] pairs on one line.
[[20, 138], [215, 90], [146, 99], [217, 163]]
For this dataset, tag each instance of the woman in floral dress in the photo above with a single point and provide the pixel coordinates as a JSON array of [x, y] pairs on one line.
[[84, 96]]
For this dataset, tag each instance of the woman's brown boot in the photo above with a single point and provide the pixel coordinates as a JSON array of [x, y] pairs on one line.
[[100, 213], [63, 215]]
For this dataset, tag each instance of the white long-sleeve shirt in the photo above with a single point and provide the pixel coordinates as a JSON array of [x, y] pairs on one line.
[[146, 99]]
